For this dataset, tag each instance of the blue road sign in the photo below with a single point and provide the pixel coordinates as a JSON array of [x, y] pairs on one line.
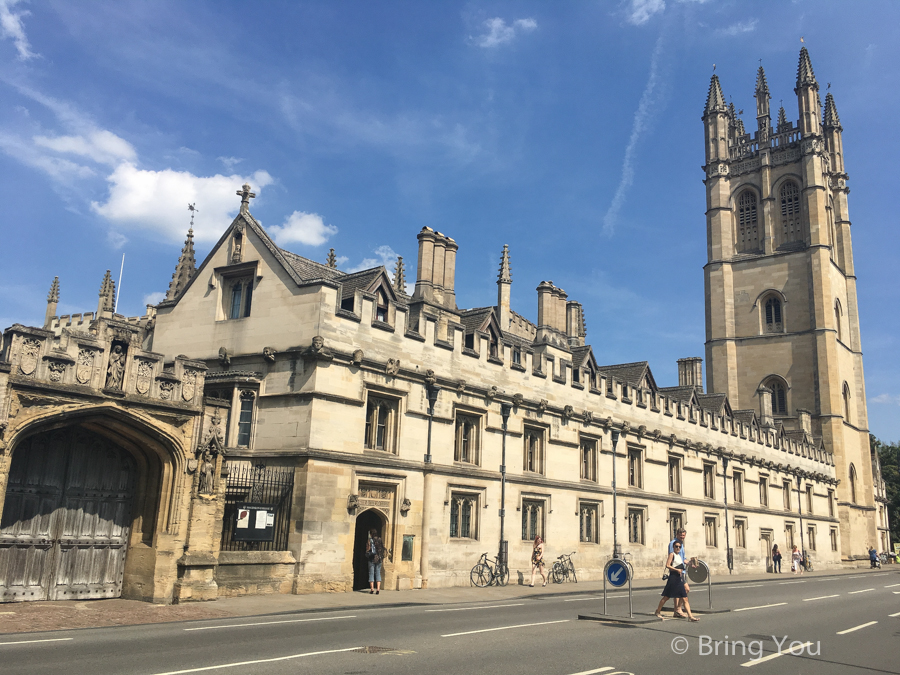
[[617, 573]]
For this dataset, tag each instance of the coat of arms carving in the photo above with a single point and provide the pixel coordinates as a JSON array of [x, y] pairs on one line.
[[84, 366], [165, 390], [144, 375], [188, 384], [57, 371], [29, 359]]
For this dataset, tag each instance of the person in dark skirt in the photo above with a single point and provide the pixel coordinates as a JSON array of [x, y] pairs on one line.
[[675, 583]]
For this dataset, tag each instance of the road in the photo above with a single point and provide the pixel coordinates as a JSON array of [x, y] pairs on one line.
[[849, 624]]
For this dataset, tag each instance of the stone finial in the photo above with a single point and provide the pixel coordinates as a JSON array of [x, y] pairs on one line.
[[53, 295], [245, 195], [185, 268], [331, 261], [782, 119], [830, 119], [715, 100], [505, 275], [805, 75], [107, 300], [762, 87], [400, 276]]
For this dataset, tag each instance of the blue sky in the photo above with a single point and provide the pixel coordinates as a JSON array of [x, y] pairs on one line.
[[570, 131]]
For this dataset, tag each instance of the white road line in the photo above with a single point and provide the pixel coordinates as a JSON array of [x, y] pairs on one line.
[[882, 574], [785, 583], [892, 586], [592, 597], [750, 664], [821, 597], [596, 670], [853, 577], [250, 663], [28, 642], [267, 623], [488, 630], [850, 630], [896, 592], [893, 615], [744, 609], [865, 590], [746, 586], [463, 609]]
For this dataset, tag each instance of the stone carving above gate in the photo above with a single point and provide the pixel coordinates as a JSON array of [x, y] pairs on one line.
[[166, 388], [84, 366], [377, 497], [188, 385], [115, 371], [57, 370], [144, 376], [28, 361]]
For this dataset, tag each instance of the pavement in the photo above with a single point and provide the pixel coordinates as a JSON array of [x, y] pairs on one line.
[[63, 615]]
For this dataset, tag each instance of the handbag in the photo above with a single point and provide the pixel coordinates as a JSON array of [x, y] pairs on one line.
[[370, 551]]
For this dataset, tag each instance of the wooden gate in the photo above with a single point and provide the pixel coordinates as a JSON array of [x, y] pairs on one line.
[[66, 518]]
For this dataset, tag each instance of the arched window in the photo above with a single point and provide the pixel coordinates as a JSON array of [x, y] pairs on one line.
[[748, 229], [853, 484], [774, 323], [779, 395], [791, 229], [837, 318], [846, 402]]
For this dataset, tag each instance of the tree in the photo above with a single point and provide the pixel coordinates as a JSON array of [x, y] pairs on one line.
[[889, 457]]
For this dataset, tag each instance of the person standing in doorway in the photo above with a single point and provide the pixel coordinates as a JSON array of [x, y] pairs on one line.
[[537, 561], [776, 559], [796, 560], [374, 557]]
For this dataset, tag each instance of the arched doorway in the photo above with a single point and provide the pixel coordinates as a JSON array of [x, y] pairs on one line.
[[66, 517], [365, 521]]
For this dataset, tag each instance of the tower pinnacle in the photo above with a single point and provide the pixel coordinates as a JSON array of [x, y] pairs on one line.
[[715, 100], [805, 75], [830, 120], [505, 275], [107, 299], [52, 300], [186, 266], [331, 260], [400, 276]]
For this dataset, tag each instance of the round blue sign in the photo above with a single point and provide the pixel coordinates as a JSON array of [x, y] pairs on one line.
[[617, 573]]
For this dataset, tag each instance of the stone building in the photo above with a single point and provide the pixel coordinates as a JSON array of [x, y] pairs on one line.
[[345, 404]]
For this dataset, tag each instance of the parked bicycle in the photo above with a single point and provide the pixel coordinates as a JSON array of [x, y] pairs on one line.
[[807, 563], [489, 572], [563, 569]]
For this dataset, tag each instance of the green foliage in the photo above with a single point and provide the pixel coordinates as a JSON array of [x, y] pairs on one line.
[[889, 456]]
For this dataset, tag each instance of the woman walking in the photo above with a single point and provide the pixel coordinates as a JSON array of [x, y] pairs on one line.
[[796, 560], [374, 557], [537, 561], [675, 583], [776, 559]]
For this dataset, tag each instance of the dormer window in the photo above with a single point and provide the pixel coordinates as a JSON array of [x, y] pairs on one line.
[[241, 291], [494, 344], [517, 356], [381, 307]]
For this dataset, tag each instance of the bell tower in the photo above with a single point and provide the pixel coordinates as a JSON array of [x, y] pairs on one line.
[[782, 324]]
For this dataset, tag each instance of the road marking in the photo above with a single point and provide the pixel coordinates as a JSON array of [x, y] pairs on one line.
[[821, 597], [746, 586], [589, 597], [744, 609], [883, 574], [862, 625], [853, 577], [892, 586], [463, 609], [596, 670], [488, 630], [750, 664], [785, 583], [865, 590], [266, 623], [893, 615], [28, 642], [250, 663]]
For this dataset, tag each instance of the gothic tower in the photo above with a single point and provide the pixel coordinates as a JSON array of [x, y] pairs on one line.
[[782, 324]]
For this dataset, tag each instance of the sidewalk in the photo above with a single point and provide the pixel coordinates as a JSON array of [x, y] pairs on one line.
[[27, 617]]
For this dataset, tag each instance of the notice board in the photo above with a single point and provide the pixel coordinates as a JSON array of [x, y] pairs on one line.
[[254, 522]]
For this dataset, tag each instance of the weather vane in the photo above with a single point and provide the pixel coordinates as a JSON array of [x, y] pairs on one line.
[[193, 209]]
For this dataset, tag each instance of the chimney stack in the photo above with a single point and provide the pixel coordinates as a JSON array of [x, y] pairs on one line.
[[765, 407], [690, 373], [575, 324], [436, 270]]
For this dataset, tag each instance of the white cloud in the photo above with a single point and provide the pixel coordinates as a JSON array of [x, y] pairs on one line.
[[11, 27], [157, 200], [887, 398], [154, 298], [641, 118], [230, 162], [384, 255], [62, 170], [100, 145], [499, 33], [639, 12], [303, 228], [738, 28]]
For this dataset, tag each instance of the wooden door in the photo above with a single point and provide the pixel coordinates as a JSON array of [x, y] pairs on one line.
[[66, 518]]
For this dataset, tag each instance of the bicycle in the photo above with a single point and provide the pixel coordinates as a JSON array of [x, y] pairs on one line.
[[563, 568], [489, 572], [807, 564]]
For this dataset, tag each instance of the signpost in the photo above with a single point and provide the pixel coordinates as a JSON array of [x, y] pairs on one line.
[[700, 573], [617, 573]]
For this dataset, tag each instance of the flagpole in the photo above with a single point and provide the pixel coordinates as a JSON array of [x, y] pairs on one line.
[[119, 288]]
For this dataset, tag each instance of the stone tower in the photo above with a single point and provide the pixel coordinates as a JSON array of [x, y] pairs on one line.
[[782, 324]]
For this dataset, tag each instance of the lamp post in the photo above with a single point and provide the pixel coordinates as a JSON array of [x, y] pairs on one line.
[[615, 442], [728, 556], [431, 391], [800, 513], [505, 410]]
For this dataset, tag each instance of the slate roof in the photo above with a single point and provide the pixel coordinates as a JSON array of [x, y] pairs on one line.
[[712, 402], [630, 373], [682, 394], [308, 269], [361, 280], [745, 416], [579, 354], [473, 319]]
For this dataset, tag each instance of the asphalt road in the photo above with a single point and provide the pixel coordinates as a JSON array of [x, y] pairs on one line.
[[848, 624]]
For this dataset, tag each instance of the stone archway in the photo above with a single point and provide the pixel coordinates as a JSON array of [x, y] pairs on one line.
[[67, 517], [365, 521]]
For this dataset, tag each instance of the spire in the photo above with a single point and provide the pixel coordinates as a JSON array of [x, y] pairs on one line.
[[805, 75], [400, 276], [782, 118], [107, 294], [185, 268], [505, 275], [739, 127], [762, 87], [331, 261], [715, 101], [52, 300], [830, 120]]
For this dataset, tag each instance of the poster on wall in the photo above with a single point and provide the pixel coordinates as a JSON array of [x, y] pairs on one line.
[[254, 522]]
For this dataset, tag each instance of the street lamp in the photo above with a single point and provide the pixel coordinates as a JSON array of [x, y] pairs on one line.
[[615, 442], [432, 391], [728, 553], [505, 410], [800, 513]]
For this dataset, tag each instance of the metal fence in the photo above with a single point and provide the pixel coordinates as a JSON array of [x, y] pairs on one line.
[[259, 484]]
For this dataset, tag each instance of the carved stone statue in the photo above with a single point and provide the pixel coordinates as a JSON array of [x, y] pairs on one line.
[[460, 387], [568, 411], [317, 350], [491, 393], [405, 506], [430, 377], [206, 471], [517, 399], [588, 416], [358, 357], [542, 405], [116, 370], [352, 503], [269, 354], [392, 367], [224, 358]]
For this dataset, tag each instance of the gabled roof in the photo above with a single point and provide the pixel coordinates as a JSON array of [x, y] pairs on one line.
[[633, 374], [681, 394], [747, 417], [478, 319], [367, 281], [309, 269], [583, 356], [716, 403]]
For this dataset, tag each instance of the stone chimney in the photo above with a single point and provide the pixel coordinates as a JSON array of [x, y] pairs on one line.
[[575, 330], [765, 407], [805, 419], [451, 247], [690, 372], [546, 310], [436, 270], [425, 269]]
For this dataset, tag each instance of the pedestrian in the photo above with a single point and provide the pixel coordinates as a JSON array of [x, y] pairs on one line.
[[796, 559], [537, 561], [776, 559], [679, 539], [873, 557], [675, 585], [374, 558]]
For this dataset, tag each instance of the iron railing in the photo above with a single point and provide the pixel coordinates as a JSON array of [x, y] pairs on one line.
[[258, 484]]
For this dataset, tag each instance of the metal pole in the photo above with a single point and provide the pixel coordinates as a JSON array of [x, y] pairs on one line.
[[727, 526], [604, 588], [630, 597], [800, 513], [432, 394], [505, 410], [708, 584], [615, 442]]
